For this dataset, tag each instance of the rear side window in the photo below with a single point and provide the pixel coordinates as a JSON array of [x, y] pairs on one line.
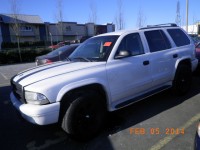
[[157, 40], [179, 37]]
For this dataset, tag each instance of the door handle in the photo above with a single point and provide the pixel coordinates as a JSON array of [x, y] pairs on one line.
[[175, 55], [145, 62]]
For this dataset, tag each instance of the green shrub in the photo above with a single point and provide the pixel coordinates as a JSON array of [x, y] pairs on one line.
[[6, 45], [28, 55], [3, 58]]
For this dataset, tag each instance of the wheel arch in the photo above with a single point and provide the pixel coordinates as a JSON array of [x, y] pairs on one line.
[[99, 87], [184, 61], [183, 78]]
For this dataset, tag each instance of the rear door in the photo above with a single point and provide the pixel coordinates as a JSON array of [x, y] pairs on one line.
[[163, 57]]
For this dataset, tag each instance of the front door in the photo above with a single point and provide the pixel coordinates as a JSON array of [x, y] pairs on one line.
[[129, 77]]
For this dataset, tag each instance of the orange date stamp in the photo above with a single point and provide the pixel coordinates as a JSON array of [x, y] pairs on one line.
[[157, 131]]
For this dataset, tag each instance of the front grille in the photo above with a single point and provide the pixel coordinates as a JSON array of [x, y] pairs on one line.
[[18, 91]]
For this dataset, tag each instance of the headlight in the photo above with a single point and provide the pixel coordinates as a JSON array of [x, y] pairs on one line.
[[36, 98]]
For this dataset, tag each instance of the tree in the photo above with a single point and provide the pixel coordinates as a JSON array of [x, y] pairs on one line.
[[59, 18], [93, 15], [16, 24], [141, 20], [183, 19], [178, 16], [120, 22], [93, 12]]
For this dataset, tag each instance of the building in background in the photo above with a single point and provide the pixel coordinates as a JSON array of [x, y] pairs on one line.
[[193, 29], [33, 29], [69, 31], [65, 31]]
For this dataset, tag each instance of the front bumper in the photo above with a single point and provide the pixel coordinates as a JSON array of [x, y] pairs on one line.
[[37, 114]]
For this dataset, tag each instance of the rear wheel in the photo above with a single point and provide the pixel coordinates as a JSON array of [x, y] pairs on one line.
[[183, 79], [85, 115]]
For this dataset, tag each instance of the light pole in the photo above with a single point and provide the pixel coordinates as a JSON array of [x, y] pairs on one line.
[[187, 3]]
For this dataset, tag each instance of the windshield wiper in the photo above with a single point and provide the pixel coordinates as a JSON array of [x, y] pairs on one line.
[[83, 58]]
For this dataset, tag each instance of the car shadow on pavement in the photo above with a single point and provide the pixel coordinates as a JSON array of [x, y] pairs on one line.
[[19, 134], [138, 112]]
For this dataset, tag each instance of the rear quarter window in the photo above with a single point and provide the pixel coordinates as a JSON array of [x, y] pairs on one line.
[[179, 37]]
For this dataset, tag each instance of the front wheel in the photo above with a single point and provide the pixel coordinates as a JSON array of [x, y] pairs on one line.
[[85, 115], [183, 79]]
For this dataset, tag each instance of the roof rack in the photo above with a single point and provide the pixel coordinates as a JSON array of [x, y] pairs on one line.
[[160, 25]]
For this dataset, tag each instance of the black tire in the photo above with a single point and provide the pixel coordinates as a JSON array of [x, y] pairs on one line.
[[183, 80], [85, 116]]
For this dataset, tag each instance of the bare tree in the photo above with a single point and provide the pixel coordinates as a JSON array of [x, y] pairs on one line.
[[183, 19], [59, 18], [93, 12], [178, 16], [17, 24], [141, 20], [120, 22]]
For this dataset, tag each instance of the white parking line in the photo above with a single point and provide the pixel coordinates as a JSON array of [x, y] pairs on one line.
[[169, 138], [4, 76]]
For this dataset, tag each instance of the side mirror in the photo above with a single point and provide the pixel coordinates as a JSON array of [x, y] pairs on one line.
[[123, 54]]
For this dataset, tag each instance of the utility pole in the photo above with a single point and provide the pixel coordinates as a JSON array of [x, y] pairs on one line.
[[187, 3]]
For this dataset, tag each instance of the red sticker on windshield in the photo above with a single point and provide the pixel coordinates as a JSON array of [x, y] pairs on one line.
[[107, 43]]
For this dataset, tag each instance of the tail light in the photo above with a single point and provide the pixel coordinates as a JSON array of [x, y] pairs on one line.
[[47, 61]]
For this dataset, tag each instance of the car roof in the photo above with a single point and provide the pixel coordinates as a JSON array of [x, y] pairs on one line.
[[149, 27], [117, 32], [121, 32]]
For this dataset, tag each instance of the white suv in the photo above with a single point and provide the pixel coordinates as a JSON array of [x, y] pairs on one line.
[[105, 73]]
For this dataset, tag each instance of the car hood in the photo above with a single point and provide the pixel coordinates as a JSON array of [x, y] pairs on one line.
[[37, 74]]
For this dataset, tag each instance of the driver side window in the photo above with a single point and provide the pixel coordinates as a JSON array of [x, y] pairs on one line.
[[131, 43]]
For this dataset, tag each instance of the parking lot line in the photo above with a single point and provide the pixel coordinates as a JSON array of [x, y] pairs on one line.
[[169, 138], [4, 76]]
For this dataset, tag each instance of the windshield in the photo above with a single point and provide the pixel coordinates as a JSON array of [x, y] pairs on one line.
[[56, 52], [94, 49]]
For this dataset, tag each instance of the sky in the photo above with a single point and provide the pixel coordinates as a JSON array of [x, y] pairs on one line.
[[154, 11]]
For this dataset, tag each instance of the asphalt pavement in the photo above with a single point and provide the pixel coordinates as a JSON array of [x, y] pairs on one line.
[[163, 121]]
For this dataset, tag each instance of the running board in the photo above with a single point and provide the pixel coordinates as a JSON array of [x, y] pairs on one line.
[[138, 98]]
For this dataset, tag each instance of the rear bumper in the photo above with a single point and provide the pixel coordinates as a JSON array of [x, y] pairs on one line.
[[37, 114]]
